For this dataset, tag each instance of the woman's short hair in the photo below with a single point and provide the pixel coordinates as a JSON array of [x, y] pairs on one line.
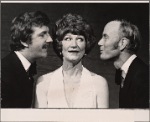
[[131, 32], [75, 24], [21, 29]]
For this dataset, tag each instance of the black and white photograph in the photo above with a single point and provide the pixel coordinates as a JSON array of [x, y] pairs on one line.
[[85, 59]]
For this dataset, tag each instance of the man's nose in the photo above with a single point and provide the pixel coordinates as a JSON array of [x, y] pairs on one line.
[[49, 39], [100, 42]]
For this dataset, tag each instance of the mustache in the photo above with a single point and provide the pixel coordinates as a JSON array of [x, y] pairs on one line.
[[45, 46]]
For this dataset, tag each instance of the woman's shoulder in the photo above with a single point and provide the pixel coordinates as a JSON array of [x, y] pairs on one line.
[[44, 79], [99, 82], [98, 78]]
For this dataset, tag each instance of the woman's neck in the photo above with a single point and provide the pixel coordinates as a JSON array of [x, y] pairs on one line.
[[72, 69]]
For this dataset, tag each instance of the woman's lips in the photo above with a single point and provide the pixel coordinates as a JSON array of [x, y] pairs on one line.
[[73, 51]]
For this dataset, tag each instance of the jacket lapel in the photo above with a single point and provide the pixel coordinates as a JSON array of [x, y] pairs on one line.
[[128, 80], [19, 69]]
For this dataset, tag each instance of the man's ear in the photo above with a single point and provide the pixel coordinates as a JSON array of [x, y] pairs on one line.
[[24, 44], [123, 43]]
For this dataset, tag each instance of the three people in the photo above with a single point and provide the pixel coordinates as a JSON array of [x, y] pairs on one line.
[[72, 85], [120, 41], [30, 38]]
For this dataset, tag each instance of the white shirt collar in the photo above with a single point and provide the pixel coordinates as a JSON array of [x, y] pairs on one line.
[[126, 65], [26, 64]]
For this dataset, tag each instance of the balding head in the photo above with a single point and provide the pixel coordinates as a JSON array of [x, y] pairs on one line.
[[109, 41]]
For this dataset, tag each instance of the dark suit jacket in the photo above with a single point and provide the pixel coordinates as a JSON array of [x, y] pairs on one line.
[[135, 93], [16, 88]]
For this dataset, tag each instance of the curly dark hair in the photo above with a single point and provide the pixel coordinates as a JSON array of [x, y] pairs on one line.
[[21, 29], [75, 24]]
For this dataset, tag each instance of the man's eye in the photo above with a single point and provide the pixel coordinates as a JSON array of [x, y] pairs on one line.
[[42, 35], [105, 37]]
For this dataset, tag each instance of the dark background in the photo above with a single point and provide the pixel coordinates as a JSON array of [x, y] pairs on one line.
[[97, 14]]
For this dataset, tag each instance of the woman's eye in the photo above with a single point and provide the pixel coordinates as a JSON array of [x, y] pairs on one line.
[[67, 39], [80, 39]]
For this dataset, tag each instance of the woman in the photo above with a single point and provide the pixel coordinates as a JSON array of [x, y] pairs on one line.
[[72, 85]]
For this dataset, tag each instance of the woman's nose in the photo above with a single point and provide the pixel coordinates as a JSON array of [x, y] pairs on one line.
[[73, 43]]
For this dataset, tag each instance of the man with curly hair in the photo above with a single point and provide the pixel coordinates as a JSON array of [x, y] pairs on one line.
[[30, 38]]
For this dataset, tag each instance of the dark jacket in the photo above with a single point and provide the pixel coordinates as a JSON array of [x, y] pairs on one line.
[[135, 93], [16, 87]]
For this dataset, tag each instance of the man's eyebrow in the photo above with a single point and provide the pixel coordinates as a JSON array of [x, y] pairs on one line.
[[43, 32]]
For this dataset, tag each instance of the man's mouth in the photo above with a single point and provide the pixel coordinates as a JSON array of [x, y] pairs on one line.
[[45, 46], [101, 51]]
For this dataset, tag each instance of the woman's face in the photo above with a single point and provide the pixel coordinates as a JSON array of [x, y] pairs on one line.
[[73, 47]]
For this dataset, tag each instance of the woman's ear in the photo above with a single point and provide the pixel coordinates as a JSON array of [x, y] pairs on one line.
[[123, 43], [24, 44]]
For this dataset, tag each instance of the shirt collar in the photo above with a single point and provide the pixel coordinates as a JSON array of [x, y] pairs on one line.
[[26, 64], [126, 65]]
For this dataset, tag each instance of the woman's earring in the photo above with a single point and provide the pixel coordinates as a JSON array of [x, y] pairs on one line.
[[60, 53]]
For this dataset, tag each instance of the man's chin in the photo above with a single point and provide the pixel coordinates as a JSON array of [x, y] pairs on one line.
[[104, 58], [44, 55]]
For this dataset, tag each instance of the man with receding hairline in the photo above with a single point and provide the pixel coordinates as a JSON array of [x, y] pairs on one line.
[[120, 42]]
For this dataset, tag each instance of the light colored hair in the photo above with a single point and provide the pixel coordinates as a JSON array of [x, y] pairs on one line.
[[131, 32]]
